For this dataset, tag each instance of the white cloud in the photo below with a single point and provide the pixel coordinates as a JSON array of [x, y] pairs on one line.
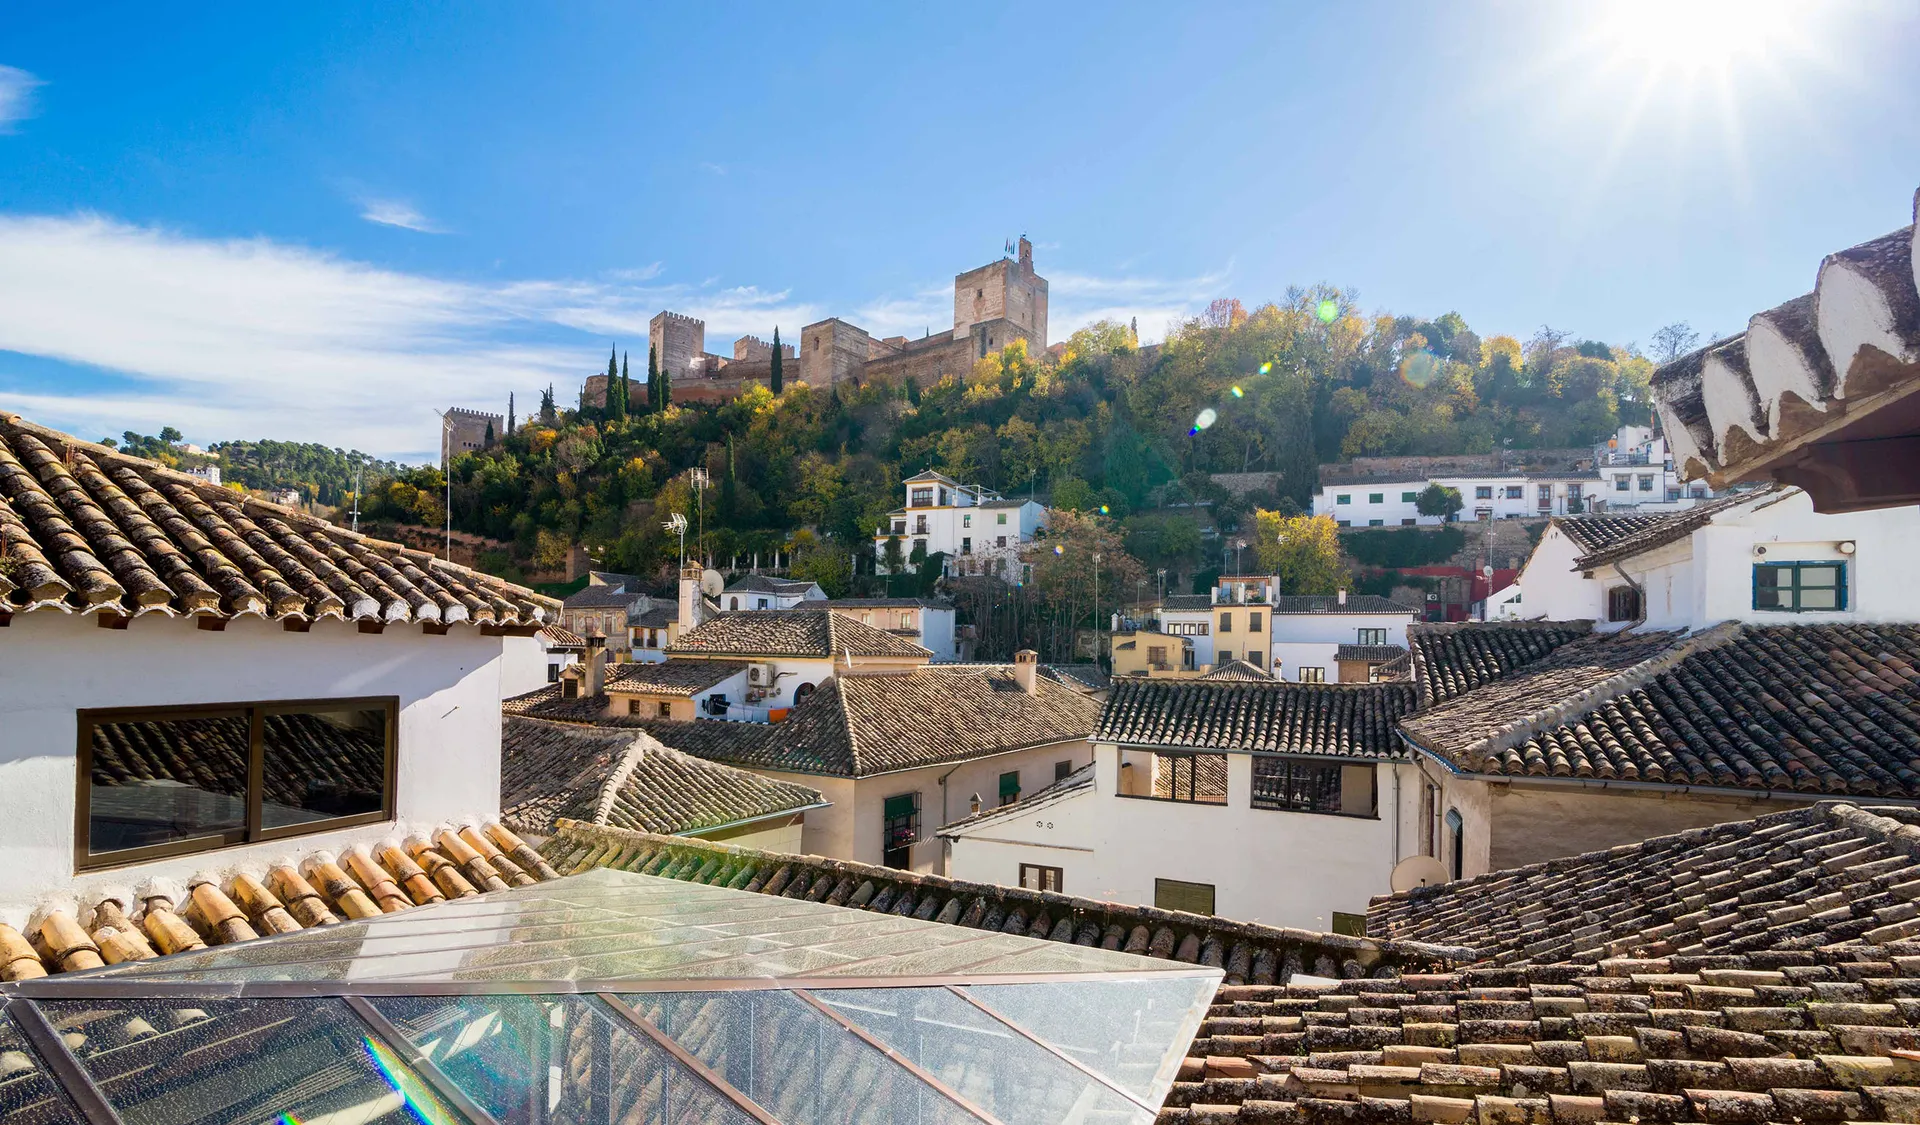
[[1077, 300], [16, 96], [393, 213]]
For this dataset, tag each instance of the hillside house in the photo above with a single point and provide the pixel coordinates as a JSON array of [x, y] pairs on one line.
[[978, 530], [789, 654], [761, 591], [927, 622]]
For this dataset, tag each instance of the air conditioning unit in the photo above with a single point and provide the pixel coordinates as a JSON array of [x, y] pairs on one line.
[[760, 675]]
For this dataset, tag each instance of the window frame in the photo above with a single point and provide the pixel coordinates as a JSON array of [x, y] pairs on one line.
[[1794, 566], [1318, 674], [1370, 635], [1184, 886], [253, 830], [1041, 871], [1291, 762]]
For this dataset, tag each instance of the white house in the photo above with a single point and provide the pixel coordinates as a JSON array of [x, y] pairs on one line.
[[761, 591], [1308, 783], [1189, 616], [979, 531], [790, 653], [925, 621], [194, 679], [1760, 556], [1491, 494], [528, 663], [1334, 638]]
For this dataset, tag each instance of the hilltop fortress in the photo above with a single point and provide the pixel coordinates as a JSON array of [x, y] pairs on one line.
[[993, 306]]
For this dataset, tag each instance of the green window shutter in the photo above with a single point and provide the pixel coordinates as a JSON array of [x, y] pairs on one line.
[[1009, 786], [901, 806]]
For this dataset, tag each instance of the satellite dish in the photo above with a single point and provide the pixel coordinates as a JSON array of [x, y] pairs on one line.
[[1417, 871], [711, 583]]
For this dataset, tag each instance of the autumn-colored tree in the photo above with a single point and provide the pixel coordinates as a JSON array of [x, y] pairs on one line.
[[1302, 551]]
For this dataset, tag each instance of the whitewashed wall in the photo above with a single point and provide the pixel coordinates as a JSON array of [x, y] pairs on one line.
[[1554, 591], [53, 664]]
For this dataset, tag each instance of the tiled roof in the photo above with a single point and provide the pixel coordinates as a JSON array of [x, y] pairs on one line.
[[85, 528], [1371, 654], [1452, 659], [1238, 670], [1672, 528], [1492, 713], [814, 633], [1340, 720], [629, 779], [1800, 366], [112, 925], [601, 597], [1592, 533], [557, 637], [1832, 709], [767, 584], [1084, 677], [1328, 603], [671, 677], [1006, 503], [659, 615], [1247, 951], [860, 725], [1079, 781], [1187, 603], [888, 603], [1803, 880]]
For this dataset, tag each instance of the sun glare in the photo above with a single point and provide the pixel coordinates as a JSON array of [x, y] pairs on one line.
[[1695, 35]]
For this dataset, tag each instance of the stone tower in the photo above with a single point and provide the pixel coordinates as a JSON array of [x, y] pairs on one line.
[[679, 341], [1003, 290]]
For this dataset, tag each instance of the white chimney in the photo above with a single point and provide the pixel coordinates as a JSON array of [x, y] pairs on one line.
[[596, 662], [1343, 597], [973, 803], [690, 601], [1026, 670]]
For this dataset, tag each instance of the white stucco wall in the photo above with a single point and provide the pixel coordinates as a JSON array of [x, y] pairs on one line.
[[52, 665], [1554, 591], [523, 665], [1281, 868]]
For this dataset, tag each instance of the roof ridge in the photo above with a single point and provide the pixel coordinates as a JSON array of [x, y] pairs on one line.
[[617, 777], [1608, 688]]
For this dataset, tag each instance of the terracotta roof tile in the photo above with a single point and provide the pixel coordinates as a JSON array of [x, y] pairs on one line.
[[627, 778], [1237, 670], [811, 633], [83, 527], [1452, 659], [684, 678], [1658, 531], [1337, 720], [1371, 654]]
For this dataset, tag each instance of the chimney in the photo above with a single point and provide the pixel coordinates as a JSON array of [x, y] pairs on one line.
[[596, 662], [690, 600], [1026, 670], [1343, 597], [973, 803]]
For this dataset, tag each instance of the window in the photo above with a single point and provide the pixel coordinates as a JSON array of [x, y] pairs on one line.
[[1187, 628], [1253, 657], [966, 545], [1346, 523], [1483, 492], [1343, 498], [1224, 656], [1296, 784], [1409, 497], [1546, 494], [1456, 842], [1253, 622], [801, 692], [1172, 894], [733, 603], [1313, 675], [1622, 484], [1196, 778], [1408, 523], [1000, 519], [1376, 523], [1646, 482], [1226, 623], [1796, 587], [760, 603], [633, 706], [900, 829], [1574, 492], [171, 780], [1352, 925], [966, 521], [1037, 878], [1372, 636], [570, 689], [666, 709], [1623, 604], [1516, 492], [1009, 787], [1157, 655], [553, 673], [1376, 497], [1062, 769], [899, 527], [922, 498], [1000, 541]]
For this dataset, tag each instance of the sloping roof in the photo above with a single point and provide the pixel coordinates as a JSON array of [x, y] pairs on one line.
[[1012, 502], [1454, 658], [1082, 677], [601, 597], [860, 725], [1371, 654], [1329, 603], [556, 637], [258, 896], [1798, 880], [627, 778], [659, 615], [888, 603], [85, 528], [685, 678], [1337, 720], [1466, 726], [1187, 603], [1237, 670], [1831, 709], [1079, 781], [1592, 533], [1799, 368], [767, 584], [1671, 528], [1247, 951], [812, 633]]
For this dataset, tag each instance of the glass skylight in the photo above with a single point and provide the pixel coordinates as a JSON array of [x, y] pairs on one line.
[[608, 998]]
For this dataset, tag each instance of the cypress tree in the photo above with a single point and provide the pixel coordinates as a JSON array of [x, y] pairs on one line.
[[653, 379], [774, 378], [666, 388], [626, 386], [488, 444], [509, 411], [613, 385]]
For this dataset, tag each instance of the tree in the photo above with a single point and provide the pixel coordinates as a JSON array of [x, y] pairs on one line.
[[665, 385], [626, 387], [1674, 341], [774, 378], [170, 435], [1302, 551], [548, 412], [891, 556], [818, 561], [509, 411], [614, 407], [1439, 500], [488, 443]]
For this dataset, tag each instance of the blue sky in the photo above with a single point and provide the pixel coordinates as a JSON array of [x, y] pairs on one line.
[[321, 225]]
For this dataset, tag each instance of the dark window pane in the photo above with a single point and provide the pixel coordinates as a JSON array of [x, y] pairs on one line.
[[163, 1063], [1766, 576], [158, 780], [323, 764]]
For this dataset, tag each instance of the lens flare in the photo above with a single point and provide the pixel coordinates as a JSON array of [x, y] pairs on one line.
[[1328, 311], [1419, 367], [1266, 369], [419, 1097], [1238, 393], [1059, 550], [1207, 418], [1104, 511]]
